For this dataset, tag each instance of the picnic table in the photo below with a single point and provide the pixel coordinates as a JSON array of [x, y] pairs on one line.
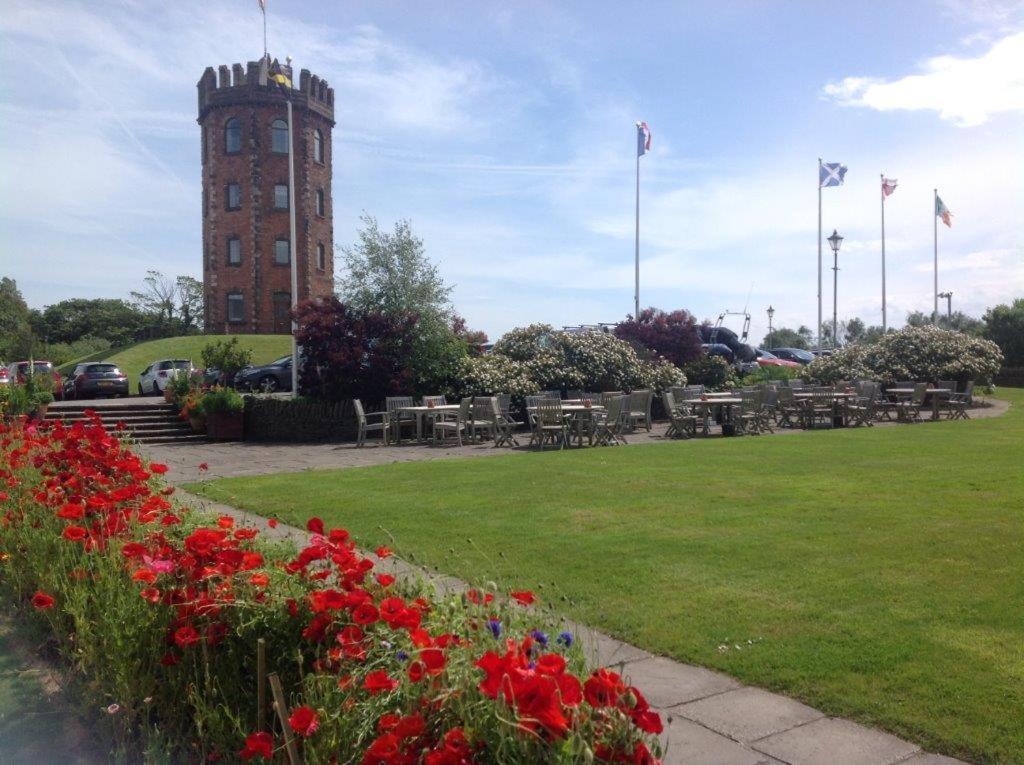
[[581, 415], [727, 402], [422, 411], [934, 393]]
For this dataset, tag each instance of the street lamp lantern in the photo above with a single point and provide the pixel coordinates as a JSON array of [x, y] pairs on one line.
[[771, 313], [834, 242]]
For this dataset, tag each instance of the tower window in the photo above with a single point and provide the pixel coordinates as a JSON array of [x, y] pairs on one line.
[[234, 251], [232, 136], [320, 205], [279, 137], [236, 307], [321, 257], [234, 196], [318, 147], [281, 196], [282, 252]]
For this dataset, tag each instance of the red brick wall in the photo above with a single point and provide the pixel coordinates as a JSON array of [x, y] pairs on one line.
[[257, 224]]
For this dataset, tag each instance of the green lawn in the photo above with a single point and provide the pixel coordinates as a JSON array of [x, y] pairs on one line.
[[878, 573], [134, 358]]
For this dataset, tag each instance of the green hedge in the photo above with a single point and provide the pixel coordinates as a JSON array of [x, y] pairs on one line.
[[298, 420]]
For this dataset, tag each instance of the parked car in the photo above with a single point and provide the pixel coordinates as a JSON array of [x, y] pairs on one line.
[[816, 352], [96, 379], [719, 349], [798, 355], [767, 359], [5, 376], [155, 377], [277, 375], [19, 370]]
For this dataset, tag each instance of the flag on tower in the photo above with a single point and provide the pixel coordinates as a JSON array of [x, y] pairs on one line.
[[643, 139], [280, 76], [263, 5], [943, 212], [888, 186], [831, 174]]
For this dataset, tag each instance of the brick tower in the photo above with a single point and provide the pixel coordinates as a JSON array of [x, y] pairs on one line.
[[246, 261]]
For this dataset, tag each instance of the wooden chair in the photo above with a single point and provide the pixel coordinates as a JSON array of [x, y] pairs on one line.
[[481, 419], [609, 425], [909, 410], [789, 411], [364, 425], [959, 403], [400, 419], [639, 411], [551, 423], [820, 409], [950, 385], [682, 420], [747, 421], [863, 409], [453, 423], [504, 427]]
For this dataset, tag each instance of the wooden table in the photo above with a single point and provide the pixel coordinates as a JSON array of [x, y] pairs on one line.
[[930, 392], [421, 411], [728, 402], [575, 411]]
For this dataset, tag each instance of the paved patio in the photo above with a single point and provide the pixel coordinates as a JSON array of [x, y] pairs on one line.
[[710, 718]]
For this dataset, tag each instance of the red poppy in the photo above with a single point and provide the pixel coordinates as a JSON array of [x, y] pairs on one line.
[[258, 745], [156, 467], [42, 601], [272, 522], [75, 533], [315, 525], [379, 682], [383, 552], [416, 671], [72, 511], [385, 580], [525, 597], [304, 721], [433, 660], [384, 749], [365, 613], [203, 467], [186, 636]]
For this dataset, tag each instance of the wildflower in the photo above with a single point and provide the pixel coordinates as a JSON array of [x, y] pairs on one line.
[[156, 467], [258, 745], [203, 467], [42, 601], [272, 522], [186, 636], [540, 637], [304, 721], [565, 638], [523, 597], [495, 627], [379, 681], [315, 525], [74, 533], [383, 552], [113, 709]]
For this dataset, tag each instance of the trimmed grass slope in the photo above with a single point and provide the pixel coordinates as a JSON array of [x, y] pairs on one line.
[[874, 573], [133, 359]]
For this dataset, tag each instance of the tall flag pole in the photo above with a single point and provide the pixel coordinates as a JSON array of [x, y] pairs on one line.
[[643, 145], [829, 174], [941, 211], [263, 8], [888, 187]]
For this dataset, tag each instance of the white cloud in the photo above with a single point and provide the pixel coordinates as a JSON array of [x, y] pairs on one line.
[[966, 91]]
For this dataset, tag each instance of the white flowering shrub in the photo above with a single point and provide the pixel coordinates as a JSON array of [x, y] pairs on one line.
[[913, 353], [491, 374], [592, 361]]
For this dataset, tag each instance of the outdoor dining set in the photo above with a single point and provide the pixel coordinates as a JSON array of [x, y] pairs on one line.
[[606, 418]]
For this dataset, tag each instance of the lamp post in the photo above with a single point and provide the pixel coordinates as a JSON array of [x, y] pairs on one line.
[[834, 241], [771, 313], [949, 304]]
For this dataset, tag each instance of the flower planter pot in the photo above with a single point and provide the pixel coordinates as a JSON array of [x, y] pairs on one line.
[[225, 426], [198, 424]]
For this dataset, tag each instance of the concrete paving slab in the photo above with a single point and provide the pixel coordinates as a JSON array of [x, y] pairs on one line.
[[668, 683], [687, 743], [926, 758], [748, 714], [831, 741], [604, 651]]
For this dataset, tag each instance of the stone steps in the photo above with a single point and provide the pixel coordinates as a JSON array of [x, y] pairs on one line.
[[150, 423]]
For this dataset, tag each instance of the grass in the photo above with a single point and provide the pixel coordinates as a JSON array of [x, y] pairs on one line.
[[133, 359], [875, 573]]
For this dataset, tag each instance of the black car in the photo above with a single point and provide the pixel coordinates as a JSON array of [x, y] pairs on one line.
[[277, 375], [794, 354], [96, 379], [719, 349]]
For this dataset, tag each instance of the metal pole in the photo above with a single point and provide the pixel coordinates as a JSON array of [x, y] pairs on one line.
[[819, 252], [292, 248], [949, 306], [881, 193], [835, 299], [636, 290], [264, 32], [935, 239]]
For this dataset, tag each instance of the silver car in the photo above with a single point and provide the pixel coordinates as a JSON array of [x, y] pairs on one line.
[[155, 377]]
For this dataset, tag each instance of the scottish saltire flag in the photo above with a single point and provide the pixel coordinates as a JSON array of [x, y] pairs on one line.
[[943, 212], [831, 174], [888, 186], [643, 139]]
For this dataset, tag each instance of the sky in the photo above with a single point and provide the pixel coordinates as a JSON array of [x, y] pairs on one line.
[[505, 132]]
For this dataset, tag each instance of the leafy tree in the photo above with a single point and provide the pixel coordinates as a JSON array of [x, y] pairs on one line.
[[784, 337], [157, 296], [68, 321], [671, 335], [191, 303], [388, 273], [959, 322], [474, 339], [226, 356], [1004, 325], [15, 330], [351, 353], [176, 305]]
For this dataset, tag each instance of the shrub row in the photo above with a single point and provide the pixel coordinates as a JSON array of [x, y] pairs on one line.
[[298, 420], [158, 609]]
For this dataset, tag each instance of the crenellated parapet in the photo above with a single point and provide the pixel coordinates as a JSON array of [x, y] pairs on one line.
[[229, 86]]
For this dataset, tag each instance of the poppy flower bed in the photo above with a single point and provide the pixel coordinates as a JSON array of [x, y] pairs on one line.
[[156, 610]]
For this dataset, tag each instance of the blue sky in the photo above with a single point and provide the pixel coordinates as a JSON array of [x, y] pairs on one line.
[[504, 131]]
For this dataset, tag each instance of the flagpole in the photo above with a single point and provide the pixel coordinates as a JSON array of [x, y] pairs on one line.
[[264, 9], [881, 191], [819, 252], [935, 238], [636, 291]]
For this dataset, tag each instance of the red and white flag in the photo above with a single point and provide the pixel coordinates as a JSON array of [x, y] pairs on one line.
[[888, 186]]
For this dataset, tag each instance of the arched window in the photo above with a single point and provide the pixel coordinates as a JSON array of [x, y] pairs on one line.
[[279, 137], [321, 257], [318, 146], [232, 136]]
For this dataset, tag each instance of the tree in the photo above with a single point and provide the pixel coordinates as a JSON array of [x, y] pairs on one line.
[[389, 274], [474, 339], [157, 296], [17, 338], [959, 321], [191, 303], [68, 321], [1004, 325], [227, 357], [350, 353], [672, 335], [174, 305], [784, 337]]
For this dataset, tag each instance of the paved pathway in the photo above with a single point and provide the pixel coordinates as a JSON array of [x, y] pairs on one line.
[[711, 719]]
